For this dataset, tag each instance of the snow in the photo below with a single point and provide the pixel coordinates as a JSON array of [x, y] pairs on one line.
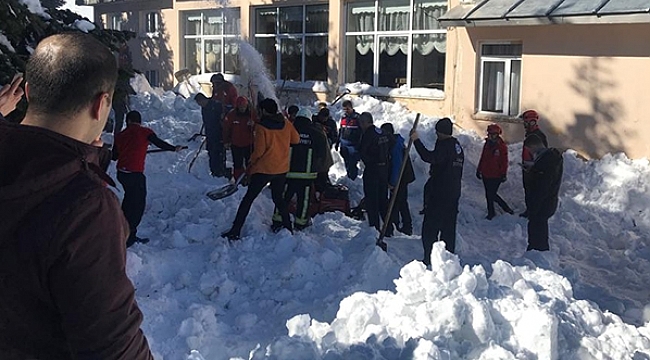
[[5, 42], [83, 25], [402, 91], [35, 7], [329, 293]]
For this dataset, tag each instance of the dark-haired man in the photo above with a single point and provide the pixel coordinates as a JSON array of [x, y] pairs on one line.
[[374, 151], [64, 293], [349, 138], [130, 151], [212, 114], [224, 92], [544, 180], [442, 190], [274, 134]]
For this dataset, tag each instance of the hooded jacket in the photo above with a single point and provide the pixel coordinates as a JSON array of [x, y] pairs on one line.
[[64, 293], [238, 128], [273, 136], [494, 159]]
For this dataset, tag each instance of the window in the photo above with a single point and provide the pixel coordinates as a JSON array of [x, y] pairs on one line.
[[210, 40], [152, 77], [391, 43], [117, 21], [153, 22], [293, 41], [500, 83]]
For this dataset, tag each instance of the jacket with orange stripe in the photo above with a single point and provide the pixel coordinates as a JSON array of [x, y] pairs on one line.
[[273, 137]]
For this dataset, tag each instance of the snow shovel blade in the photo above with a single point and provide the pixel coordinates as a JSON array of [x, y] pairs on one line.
[[225, 190]]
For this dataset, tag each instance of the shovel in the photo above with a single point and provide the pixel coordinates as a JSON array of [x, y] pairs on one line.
[[226, 190]]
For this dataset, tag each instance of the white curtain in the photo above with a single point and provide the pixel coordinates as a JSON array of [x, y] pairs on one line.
[[364, 44], [362, 21], [232, 47], [392, 44], [394, 20], [315, 45], [427, 14], [290, 47], [426, 43], [493, 83]]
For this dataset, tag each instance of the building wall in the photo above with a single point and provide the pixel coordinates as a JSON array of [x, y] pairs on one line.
[[589, 83]]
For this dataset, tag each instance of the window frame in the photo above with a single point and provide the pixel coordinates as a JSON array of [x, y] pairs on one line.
[[279, 37], [378, 34], [223, 37], [149, 74], [507, 60], [157, 22]]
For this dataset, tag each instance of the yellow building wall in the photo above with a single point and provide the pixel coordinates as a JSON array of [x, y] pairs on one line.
[[589, 83]]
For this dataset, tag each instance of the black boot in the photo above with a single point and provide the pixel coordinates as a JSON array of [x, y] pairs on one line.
[[231, 235]]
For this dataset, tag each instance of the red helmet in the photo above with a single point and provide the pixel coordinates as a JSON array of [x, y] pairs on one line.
[[530, 115], [494, 129]]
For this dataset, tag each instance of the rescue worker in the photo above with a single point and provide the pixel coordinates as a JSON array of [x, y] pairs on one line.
[[273, 137], [224, 92], [544, 180], [442, 189], [401, 215], [531, 125], [348, 140], [493, 169], [211, 113], [238, 128], [307, 156], [130, 151], [374, 151]]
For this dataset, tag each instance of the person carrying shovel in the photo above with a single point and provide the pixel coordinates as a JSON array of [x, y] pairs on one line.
[[130, 150]]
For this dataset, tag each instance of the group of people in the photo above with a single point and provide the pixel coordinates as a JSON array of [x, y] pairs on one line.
[[64, 290]]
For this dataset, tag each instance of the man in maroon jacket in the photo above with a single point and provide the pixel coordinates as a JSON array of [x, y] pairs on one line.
[[64, 293]]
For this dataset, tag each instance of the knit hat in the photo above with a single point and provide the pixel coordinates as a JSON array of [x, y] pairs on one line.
[[304, 112], [444, 126], [241, 101], [269, 105]]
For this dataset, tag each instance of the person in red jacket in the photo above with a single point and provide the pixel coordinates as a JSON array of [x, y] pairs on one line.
[[130, 150], [493, 169], [224, 92], [238, 134]]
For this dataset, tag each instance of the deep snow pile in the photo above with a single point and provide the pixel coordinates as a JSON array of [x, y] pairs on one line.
[[329, 292]]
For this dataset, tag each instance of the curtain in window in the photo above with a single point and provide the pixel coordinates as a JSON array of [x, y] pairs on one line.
[[362, 21], [290, 47], [426, 43], [231, 47], [394, 20], [493, 83], [427, 13], [317, 19], [392, 44], [315, 45], [364, 44]]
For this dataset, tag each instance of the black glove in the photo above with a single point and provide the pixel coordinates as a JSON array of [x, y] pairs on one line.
[[504, 178], [478, 175]]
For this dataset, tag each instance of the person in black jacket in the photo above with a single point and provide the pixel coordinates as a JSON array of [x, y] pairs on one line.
[[211, 112], [398, 154], [374, 150], [329, 125], [442, 189], [531, 125], [544, 180], [307, 159]]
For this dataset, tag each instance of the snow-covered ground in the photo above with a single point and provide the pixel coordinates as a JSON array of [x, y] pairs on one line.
[[330, 293]]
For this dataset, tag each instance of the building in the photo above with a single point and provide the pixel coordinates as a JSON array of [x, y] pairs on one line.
[[583, 64]]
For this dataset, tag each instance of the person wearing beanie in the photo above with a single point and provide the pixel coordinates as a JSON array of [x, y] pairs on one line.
[[530, 120], [544, 181], [493, 169], [374, 150], [398, 155], [269, 163], [442, 190], [238, 126], [223, 91], [307, 159]]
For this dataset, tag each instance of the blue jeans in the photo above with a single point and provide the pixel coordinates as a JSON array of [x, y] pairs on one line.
[[350, 158]]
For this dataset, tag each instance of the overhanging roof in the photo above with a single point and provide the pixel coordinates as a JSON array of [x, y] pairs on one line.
[[538, 12]]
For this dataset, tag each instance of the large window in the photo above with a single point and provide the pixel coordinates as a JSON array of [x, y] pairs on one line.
[[500, 88], [293, 41], [210, 41], [117, 21], [390, 43]]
